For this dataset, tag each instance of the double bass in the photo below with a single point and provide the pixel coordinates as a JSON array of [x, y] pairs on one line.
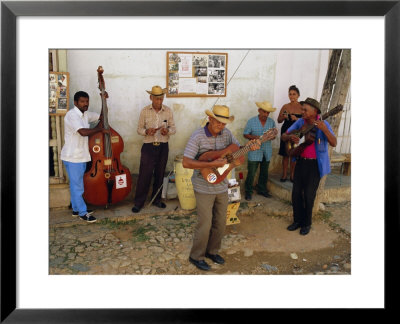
[[107, 181]]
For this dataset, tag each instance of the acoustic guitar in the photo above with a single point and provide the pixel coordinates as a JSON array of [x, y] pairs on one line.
[[308, 132], [234, 156]]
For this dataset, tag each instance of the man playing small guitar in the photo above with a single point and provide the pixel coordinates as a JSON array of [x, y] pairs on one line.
[[254, 129], [312, 163], [211, 195]]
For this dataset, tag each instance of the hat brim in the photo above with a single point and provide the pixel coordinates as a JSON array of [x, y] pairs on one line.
[[224, 120], [303, 102], [164, 91]]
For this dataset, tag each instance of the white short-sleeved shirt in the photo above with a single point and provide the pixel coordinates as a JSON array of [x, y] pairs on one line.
[[76, 147]]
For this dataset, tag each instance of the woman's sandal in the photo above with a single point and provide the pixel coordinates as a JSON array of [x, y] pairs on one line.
[[283, 179]]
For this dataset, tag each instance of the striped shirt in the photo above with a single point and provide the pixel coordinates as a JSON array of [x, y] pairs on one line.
[[254, 127], [149, 118], [202, 141]]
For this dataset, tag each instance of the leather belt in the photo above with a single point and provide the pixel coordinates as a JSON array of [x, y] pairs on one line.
[[303, 158], [156, 143]]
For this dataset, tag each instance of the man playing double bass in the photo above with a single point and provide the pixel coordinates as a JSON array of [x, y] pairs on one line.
[[312, 164], [75, 152]]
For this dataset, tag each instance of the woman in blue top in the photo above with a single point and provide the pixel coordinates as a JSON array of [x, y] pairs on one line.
[[311, 166]]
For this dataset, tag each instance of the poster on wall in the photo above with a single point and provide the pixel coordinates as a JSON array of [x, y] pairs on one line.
[[58, 92], [194, 74]]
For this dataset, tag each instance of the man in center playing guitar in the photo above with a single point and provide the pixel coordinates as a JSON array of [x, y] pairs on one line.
[[312, 162], [210, 188], [255, 128]]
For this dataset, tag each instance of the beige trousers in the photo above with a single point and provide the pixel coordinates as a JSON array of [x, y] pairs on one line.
[[211, 223]]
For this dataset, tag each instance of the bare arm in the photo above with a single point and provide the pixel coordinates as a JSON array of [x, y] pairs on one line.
[[282, 116], [287, 137], [91, 131]]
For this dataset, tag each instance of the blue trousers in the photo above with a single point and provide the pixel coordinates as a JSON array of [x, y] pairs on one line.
[[75, 173]]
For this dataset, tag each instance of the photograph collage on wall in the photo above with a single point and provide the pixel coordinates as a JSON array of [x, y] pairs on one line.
[[58, 92], [196, 74]]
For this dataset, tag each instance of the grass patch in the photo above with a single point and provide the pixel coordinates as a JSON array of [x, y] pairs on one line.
[[185, 225], [139, 234], [175, 217], [324, 215], [115, 225], [286, 202], [178, 217]]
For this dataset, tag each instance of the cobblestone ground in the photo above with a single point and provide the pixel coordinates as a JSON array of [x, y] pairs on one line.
[[160, 244]]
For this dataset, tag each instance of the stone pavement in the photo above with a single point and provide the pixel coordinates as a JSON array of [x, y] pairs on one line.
[[158, 241]]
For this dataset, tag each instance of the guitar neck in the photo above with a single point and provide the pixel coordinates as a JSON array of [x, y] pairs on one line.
[[245, 149], [305, 129], [241, 152]]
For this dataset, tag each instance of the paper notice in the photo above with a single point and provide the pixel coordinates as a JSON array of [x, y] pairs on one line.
[[185, 66], [201, 88], [187, 85], [120, 181]]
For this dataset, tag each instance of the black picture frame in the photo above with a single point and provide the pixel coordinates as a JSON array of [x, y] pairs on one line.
[[10, 10]]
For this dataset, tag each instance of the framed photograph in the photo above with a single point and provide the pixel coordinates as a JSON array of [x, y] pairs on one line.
[[152, 304], [195, 74], [58, 93]]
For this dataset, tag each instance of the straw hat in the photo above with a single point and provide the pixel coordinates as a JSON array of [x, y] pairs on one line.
[[157, 91], [220, 113], [265, 105], [312, 102]]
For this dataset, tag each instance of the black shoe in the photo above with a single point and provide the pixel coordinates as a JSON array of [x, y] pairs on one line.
[[88, 218], [293, 227], [136, 209], [305, 230], [159, 204], [248, 196], [202, 265], [265, 194], [88, 212], [282, 180], [216, 258]]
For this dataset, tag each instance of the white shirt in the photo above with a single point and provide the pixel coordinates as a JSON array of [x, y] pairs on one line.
[[76, 147]]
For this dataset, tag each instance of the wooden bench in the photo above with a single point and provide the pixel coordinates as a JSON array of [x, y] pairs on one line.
[[344, 159], [337, 158], [347, 164]]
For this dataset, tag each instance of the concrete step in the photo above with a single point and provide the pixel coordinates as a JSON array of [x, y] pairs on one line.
[[337, 188]]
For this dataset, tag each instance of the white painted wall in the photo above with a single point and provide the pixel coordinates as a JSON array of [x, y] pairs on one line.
[[263, 75]]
